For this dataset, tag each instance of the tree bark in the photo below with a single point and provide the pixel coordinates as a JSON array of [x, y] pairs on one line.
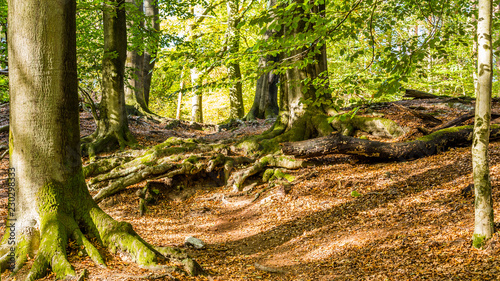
[[197, 99], [134, 92], [236, 110], [265, 104], [429, 145], [112, 126], [152, 14], [48, 198], [298, 120], [483, 219]]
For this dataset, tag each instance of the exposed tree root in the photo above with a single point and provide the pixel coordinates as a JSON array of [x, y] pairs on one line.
[[237, 179], [188, 157], [96, 143], [58, 223], [176, 157]]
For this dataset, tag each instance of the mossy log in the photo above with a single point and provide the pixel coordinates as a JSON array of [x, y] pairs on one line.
[[380, 127], [425, 146]]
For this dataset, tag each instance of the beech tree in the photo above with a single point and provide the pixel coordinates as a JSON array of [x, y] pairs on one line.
[[483, 220], [143, 33], [134, 92], [236, 110], [112, 126], [49, 199], [265, 103], [152, 25], [301, 116]]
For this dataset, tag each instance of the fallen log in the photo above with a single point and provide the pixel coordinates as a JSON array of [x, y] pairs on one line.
[[458, 121], [409, 93], [427, 118], [425, 146]]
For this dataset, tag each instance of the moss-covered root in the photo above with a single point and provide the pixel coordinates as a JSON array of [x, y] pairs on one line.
[[93, 144], [50, 244], [142, 173], [237, 179], [56, 227], [104, 166], [152, 157]]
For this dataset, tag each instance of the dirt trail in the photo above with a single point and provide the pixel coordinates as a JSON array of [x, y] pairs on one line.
[[410, 222]]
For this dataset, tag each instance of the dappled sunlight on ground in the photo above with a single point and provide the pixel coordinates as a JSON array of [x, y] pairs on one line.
[[409, 222]]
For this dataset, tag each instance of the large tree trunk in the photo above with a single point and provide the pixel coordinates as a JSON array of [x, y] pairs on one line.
[[265, 104], [299, 120], [483, 220], [152, 13], [112, 126], [48, 198], [236, 110]]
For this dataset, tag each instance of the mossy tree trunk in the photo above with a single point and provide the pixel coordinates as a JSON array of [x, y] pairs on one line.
[[483, 221], [298, 120], [48, 199], [236, 110], [265, 104], [112, 126]]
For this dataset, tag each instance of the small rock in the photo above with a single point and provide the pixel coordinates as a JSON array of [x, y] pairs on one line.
[[194, 242]]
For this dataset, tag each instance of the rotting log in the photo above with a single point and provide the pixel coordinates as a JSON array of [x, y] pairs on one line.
[[425, 146]]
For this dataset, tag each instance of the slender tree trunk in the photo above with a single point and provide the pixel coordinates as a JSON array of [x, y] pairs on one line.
[[153, 26], [134, 91], [48, 198], [236, 109], [196, 100], [474, 47], [112, 126], [265, 104], [179, 96], [483, 222]]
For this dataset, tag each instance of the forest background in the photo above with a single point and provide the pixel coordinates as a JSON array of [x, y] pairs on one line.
[[216, 52], [374, 50]]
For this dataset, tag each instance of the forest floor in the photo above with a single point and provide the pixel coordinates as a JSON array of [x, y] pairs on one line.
[[412, 220]]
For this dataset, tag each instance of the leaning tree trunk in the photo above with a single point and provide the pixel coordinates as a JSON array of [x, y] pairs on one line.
[[483, 220], [265, 104], [112, 126], [236, 110], [49, 202], [298, 120], [152, 14]]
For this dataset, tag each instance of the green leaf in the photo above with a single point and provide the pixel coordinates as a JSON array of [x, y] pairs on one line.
[[355, 194]]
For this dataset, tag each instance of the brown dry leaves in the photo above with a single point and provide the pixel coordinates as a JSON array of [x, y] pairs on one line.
[[410, 222]]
